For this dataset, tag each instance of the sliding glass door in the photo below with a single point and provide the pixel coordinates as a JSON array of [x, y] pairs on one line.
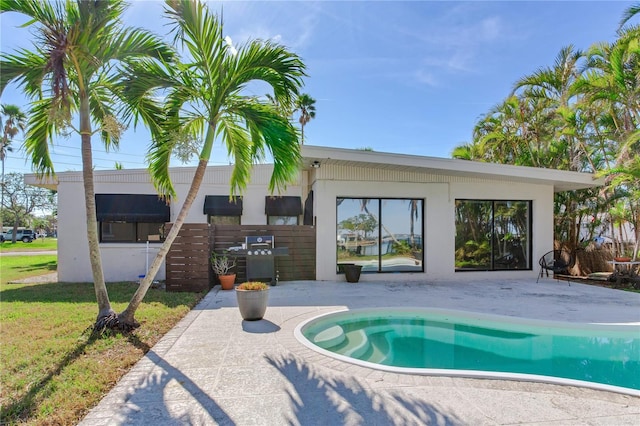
[[381, 234]]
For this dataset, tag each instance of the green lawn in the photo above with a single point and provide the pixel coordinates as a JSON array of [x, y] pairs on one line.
[[52, 371], [41, 244]]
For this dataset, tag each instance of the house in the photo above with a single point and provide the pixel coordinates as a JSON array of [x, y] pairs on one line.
[[402, 217]]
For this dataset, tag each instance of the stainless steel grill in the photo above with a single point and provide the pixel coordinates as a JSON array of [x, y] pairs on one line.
[[260, 258], [259, 245]]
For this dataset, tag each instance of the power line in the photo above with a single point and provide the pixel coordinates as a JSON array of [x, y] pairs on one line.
[[54, 146]]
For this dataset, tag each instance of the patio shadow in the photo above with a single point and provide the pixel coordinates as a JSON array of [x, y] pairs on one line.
[[325, 398]]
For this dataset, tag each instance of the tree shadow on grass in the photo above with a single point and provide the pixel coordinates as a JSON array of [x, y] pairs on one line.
[[50, 266], [25, 407], [330, 398], [84, 293]]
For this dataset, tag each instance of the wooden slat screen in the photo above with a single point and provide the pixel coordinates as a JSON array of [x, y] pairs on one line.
[[300, 240], [187, 263]]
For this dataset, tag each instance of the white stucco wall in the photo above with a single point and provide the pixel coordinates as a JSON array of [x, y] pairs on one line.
[[439, 225], [123, 262], [126, 261], [120, 261]]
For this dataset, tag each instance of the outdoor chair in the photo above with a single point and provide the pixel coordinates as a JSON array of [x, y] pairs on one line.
[[557, 261]]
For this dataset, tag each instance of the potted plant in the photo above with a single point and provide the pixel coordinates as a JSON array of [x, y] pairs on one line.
[[352, 272], [252, 299], [222, 265]]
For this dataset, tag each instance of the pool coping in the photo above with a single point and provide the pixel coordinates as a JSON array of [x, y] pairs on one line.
[[474, 374]]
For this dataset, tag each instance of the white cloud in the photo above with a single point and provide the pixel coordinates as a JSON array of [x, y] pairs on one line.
[[275, 21], [456, 40], [424, 77], [491, 28]]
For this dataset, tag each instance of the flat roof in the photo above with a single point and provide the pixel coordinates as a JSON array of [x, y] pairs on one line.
[[561, 180]]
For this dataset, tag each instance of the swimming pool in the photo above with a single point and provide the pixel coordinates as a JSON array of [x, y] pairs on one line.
[[456, 343]]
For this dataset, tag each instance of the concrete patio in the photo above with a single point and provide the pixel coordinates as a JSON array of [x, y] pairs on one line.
[[213, 368]]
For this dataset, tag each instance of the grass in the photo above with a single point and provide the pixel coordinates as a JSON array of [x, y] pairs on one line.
[[53, 371], [15, 267], [41, 244]]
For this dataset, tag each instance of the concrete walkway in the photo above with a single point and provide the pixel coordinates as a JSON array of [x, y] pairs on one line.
[[213, 368], [27, 253]]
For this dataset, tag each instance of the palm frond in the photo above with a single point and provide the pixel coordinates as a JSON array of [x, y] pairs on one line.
[[271, 63], [159, 157], [27, 69], [41, 129], [238, 143], [629, 13]]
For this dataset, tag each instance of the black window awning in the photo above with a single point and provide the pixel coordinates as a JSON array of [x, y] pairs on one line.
[[283, 206], [222, 205], [131, 208]]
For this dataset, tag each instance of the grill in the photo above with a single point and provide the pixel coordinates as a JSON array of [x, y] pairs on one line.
[[260, 257]]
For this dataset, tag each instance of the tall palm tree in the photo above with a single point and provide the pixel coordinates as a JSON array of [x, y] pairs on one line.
[[555, 86], [611, 95], [305, 105], [204, 99], [72, 79], [15, 121]]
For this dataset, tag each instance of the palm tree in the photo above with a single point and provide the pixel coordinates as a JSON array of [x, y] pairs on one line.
[[204, 99], [72, 79], [14, 122], [555, 87], [611, 95], [629, 13], [305, 104]]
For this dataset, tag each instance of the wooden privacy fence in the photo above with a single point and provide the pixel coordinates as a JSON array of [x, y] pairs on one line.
[[188, 267], [300, 264], [187, 262]]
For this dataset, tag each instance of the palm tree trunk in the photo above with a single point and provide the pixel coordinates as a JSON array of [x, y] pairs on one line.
[[126, 318], [2, 191], [104, 306]]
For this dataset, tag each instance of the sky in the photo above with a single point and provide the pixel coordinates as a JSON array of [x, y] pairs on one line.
[[410, 77]]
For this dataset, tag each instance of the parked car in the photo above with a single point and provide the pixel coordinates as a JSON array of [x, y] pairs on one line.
[[24, 235]]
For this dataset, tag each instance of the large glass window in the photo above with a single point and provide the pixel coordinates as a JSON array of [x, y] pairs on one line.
[[493, 235], [381, 234]]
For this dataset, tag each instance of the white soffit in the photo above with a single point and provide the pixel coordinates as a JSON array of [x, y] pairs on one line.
[[561, 180]]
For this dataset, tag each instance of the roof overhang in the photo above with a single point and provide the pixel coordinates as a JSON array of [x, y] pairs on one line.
[[561, 180], [315, 156], [49, 182]]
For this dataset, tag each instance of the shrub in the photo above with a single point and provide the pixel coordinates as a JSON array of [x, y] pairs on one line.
[[253, 285]]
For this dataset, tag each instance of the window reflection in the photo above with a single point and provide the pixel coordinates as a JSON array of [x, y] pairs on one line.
[[129, 232], [282, 220], [473, 234], [492, 235], [511, 235], [401, 235], [382, 235], [224, 220]]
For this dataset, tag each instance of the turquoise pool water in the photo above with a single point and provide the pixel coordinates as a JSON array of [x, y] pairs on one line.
[[449, 340]]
